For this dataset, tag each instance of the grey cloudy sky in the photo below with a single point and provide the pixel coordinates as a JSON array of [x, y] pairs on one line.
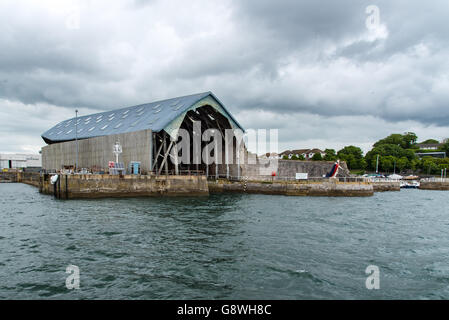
[[312, 69]]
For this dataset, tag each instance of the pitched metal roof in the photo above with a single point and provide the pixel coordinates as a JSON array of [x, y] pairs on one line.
[[155, 116]]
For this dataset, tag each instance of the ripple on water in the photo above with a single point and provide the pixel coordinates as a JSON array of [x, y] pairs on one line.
[[224, 246]]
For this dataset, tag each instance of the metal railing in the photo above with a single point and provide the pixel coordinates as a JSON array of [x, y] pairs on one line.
[[435, 179], [383, 180], [180, 172], [163, 173], [269, 178]]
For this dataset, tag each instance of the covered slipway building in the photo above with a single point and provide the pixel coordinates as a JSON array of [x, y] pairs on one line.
[[144, 133]]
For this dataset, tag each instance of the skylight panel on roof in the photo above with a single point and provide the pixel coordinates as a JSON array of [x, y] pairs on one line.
[[135, 122], [104, 127], [125, 116], [153, 120], [140, 110], [69, 131], [178, 107], [118, 126], [91, 129], [156, 106]]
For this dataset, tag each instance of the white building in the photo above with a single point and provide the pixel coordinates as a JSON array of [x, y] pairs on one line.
[[20, 161]]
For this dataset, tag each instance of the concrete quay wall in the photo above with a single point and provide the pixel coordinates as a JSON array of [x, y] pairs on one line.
[[386, 186], [434, 185], [329, 188], [31, 178], [101, 186]]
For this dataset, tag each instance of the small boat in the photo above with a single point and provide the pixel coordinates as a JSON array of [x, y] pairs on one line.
[[410, 185]]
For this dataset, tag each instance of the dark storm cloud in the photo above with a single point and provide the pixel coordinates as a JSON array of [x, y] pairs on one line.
[[288, 57], [339, 26], [302, 21]]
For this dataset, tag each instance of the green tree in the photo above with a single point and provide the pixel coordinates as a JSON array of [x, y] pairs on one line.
[[430, 141], [393, 139], [429, 165], [413, 164], [294, 157], [387, 163], [353, 156], [362, 163], [405, 141], [317, 157], [402, 163], [410, 139], [445, 148], [330, 155], [395, 145]]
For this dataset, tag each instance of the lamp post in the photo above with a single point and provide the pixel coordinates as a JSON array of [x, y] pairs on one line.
[[377, 164], [76, 138]]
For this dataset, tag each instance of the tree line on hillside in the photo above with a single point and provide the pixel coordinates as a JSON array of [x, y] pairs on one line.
[[397, 152]]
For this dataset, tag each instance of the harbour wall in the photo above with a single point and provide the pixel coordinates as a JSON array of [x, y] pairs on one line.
[[98, 186], [381, 186], [8, 176], [436, 184], [102, 186], [31, 178], [329, 188]]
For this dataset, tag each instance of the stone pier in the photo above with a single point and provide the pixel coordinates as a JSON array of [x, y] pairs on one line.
[[102, 186], [436, 184], [381, 186], [328, 188]]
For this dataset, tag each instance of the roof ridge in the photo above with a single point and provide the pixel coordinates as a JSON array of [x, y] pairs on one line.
[[140, 105]]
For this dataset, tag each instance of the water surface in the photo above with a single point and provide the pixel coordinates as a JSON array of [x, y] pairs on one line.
[[229, 246]]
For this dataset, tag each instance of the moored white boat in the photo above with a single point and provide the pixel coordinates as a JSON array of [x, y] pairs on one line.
[[409, 185]]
